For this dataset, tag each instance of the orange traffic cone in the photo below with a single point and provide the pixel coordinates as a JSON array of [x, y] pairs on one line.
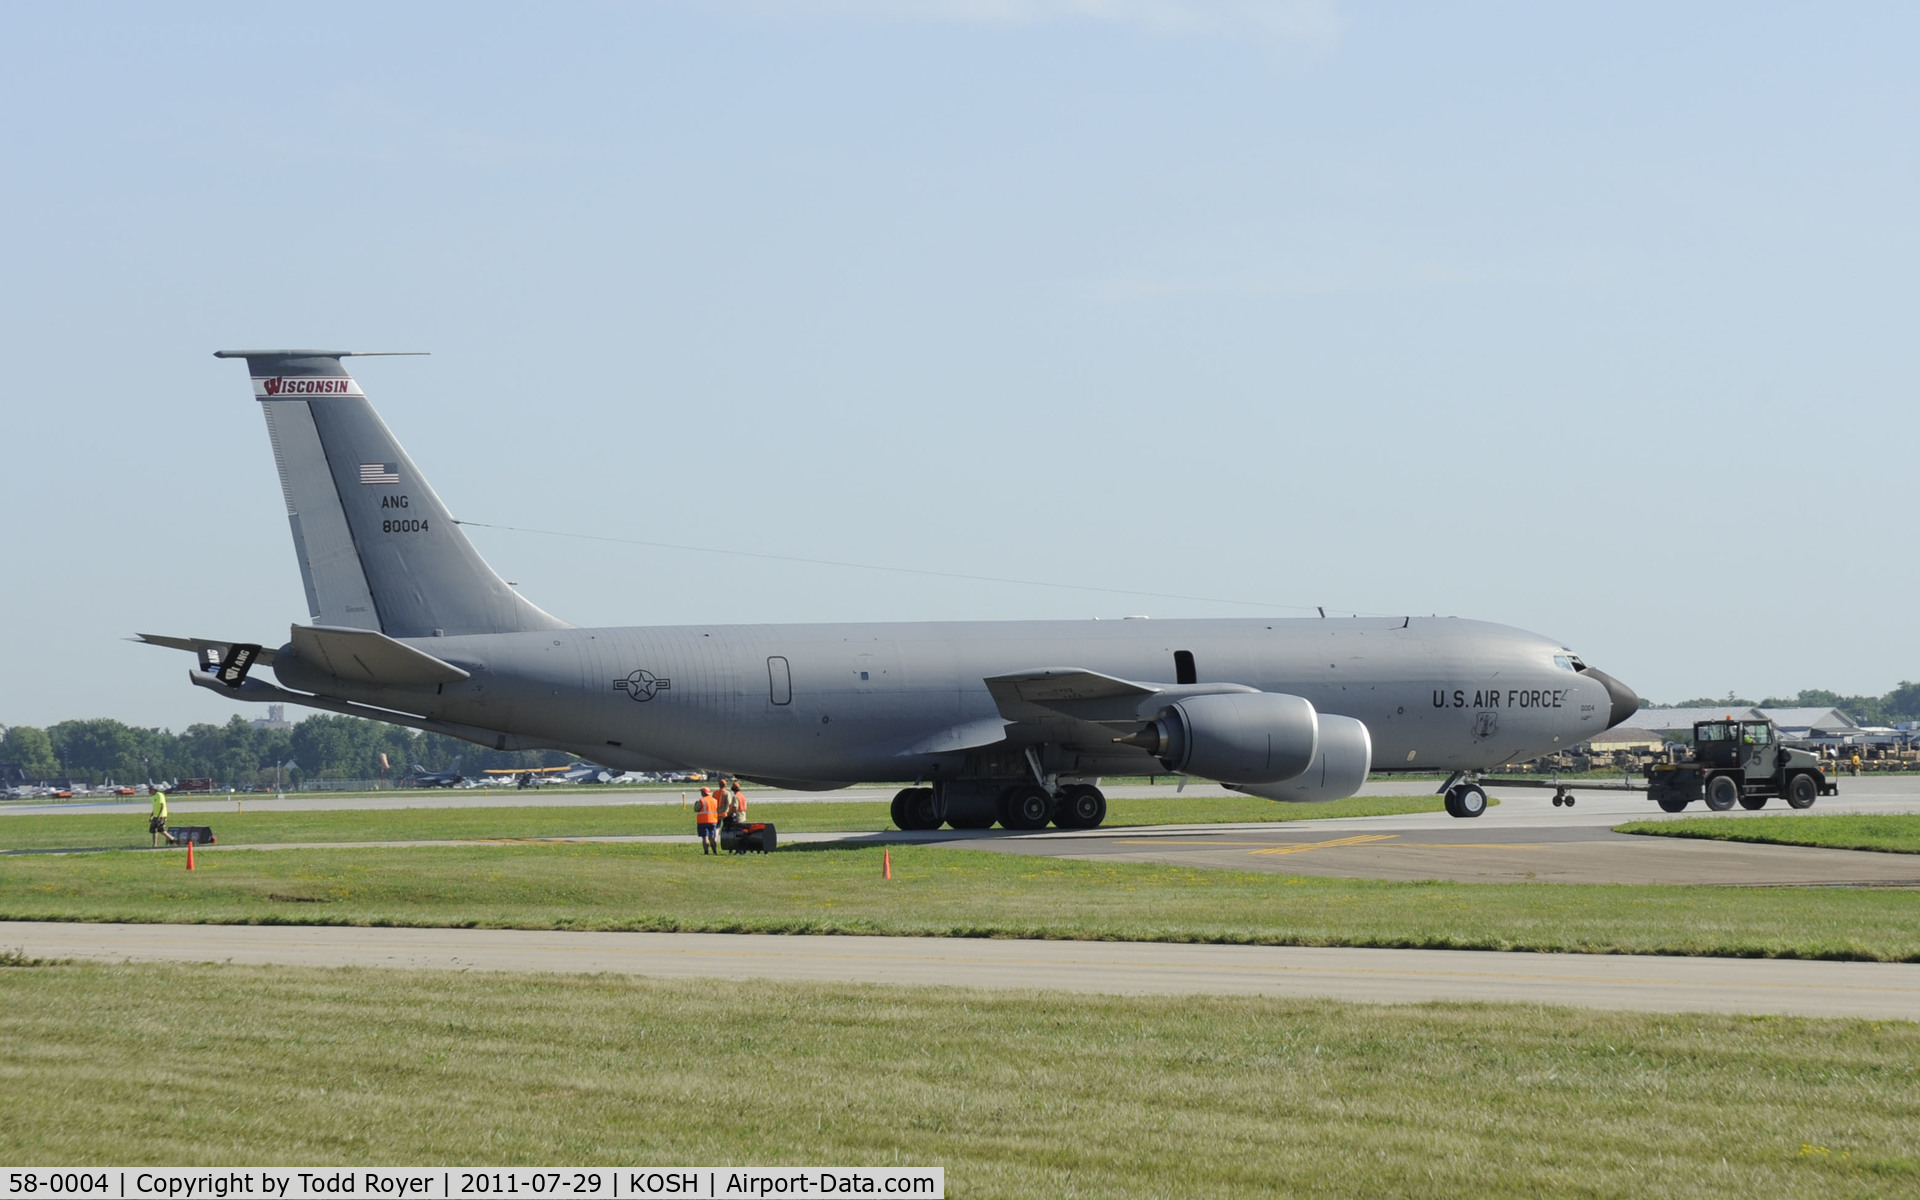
[[886, 864], [189, 855]]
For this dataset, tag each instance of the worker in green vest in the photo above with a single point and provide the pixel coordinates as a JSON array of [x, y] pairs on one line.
[[157, 824]]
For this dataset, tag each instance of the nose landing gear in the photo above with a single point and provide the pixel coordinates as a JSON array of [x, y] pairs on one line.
[[1466, 800]]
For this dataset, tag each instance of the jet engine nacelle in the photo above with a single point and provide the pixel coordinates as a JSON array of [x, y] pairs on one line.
[[1339, 767], [1246, 737]]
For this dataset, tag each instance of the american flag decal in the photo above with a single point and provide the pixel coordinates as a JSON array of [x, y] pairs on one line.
[[378, 473]]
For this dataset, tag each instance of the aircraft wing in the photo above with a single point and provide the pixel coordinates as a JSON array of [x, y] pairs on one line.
[[1049, 693], [1046, 685]]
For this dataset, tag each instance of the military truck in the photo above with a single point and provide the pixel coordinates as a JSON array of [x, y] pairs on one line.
[[1738, 762]]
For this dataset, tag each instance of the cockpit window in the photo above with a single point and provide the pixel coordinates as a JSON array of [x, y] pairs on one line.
[[1567, 662]]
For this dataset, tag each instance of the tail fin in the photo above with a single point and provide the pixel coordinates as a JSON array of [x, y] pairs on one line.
[[377, 549]]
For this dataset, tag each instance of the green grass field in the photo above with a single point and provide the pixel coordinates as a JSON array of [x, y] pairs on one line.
[[262, 824], [1015, 1094], [1898, 833], [944, 892]]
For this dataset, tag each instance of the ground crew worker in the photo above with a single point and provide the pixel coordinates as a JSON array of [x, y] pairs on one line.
[[729, 814], [739, 802], [706, 818], [157, 824], [1855, 765]]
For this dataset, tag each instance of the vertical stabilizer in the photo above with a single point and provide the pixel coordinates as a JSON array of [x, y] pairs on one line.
[[377, 549]]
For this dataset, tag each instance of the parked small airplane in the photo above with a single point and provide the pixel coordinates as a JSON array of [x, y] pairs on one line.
[[419, 776], [1011, 721]]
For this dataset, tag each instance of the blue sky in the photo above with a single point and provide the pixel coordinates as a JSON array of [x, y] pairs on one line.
[[1596, 320]]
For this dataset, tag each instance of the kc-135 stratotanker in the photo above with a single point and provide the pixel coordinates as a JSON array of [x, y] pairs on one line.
[[996, 721]]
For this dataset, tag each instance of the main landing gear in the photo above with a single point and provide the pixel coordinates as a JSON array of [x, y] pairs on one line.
[[1026, 807], [918, 808]]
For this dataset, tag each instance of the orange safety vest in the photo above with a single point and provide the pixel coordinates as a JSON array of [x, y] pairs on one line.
[[739, 805], [707, 812]]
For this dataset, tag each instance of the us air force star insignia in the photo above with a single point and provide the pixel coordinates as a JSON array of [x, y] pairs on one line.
[[642, 685]]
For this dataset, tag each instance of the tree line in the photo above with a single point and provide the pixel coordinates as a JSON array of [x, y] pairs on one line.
[[324, 746], [1900, 704], [236, 754]]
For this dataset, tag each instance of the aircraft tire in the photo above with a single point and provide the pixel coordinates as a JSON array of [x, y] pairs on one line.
[[1452, 802], [1082, 806], [1025, 806], [1752, 802], [1470, 801], [899, 809], [970, 821], [1723, 792], [1802, 791], [921, 808]]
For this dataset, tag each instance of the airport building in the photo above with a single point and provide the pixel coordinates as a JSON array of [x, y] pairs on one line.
[[276, 718], [1796, 723]]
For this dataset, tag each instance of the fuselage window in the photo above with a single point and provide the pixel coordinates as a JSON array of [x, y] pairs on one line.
[[779, 681], [1183, 671]]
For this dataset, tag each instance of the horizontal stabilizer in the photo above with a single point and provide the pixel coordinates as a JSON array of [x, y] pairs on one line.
[[210, 651], [260, 691], [369, 656]]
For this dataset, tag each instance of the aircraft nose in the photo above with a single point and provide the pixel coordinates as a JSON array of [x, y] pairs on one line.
[[1626, 701]]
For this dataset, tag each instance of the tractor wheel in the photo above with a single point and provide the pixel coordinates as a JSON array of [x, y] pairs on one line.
[[1723, 792], [1802, 791]]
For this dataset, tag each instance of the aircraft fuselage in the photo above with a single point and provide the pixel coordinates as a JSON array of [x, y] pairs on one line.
[[845, 703]]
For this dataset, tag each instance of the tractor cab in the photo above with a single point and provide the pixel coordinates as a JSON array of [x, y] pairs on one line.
[[1752, 746]]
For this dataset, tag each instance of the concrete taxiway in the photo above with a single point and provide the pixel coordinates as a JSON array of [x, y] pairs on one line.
[[1773, 986], [1523, 839]]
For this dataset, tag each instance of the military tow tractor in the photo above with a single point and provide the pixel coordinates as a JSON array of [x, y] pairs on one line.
[[1738, 762]]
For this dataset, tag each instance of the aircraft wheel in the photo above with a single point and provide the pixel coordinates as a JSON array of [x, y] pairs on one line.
[[1673, 803], [1558, 799], [971, 821], [1752, 802], [1802, 791], [923, 809], [1469, 800], [1723, 792], [1082, 806], [914, 808], [1025, 806], [1452, 802]]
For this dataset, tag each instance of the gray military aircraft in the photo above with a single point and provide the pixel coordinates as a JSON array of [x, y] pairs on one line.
[[1007, 721]]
